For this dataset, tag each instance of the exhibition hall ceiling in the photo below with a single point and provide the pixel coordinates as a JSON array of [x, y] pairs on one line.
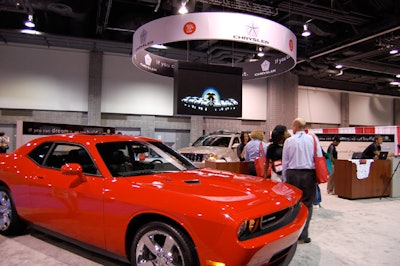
[[362, 35]]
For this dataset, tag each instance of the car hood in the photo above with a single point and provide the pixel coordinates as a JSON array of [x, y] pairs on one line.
[[202, 149], [236, 190]]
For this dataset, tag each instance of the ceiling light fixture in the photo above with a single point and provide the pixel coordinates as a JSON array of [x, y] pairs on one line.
[[183, 9], [398, 76], [393, 51], [29, 23], [305, 32], [260, 52], [159, 46], [339, 66], [31, 31]]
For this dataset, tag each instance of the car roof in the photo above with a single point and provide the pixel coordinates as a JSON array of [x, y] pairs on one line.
[[88, 138], [79, 137], [223, 135], [223, 132]]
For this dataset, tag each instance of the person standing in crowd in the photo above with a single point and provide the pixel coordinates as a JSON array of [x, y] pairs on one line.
[[252, 149], [333, 156], [299, 167], [274, 152], [374, 149], [4, 142], [244, 138]]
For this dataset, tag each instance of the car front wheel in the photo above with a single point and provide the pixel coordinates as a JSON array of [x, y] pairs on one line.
[[9, 221], [158, 243]]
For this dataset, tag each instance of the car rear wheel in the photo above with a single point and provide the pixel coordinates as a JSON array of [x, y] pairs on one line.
[[10, 223], [158, 243]]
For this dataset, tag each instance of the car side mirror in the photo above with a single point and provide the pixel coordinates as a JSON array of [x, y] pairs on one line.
[[235, 145], [73, 169]]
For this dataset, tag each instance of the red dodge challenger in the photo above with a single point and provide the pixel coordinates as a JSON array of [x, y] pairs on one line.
[[136, 199]]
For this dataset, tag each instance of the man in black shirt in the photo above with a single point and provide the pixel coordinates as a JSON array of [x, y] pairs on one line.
[[374, 149]]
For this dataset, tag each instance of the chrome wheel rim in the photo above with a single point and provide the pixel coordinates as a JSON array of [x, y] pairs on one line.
[[5, 211], [158, 248]]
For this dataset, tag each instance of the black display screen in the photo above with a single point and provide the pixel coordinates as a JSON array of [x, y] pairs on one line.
[[208, 90]]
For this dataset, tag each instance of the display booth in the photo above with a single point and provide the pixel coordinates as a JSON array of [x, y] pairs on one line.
[[355, 179]]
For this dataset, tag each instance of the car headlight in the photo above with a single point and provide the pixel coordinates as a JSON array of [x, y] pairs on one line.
[[248, 227], [268, 223], [210, 157]]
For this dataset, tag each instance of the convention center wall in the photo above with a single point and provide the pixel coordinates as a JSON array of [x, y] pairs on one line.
[[53, 84], [322, 106], [57, 79]]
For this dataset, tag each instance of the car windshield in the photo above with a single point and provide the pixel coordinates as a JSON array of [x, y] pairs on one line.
[[216, 141], [131, 158]]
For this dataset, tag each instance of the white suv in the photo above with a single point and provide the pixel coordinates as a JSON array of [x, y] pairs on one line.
[[220, 146]]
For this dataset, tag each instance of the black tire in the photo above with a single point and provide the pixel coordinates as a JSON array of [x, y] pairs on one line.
[[10, 223], [150, 241]]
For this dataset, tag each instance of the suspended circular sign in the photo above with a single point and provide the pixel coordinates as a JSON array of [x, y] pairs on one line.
[[223, 26]]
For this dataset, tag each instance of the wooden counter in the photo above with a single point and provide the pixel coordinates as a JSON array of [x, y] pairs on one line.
[[234, 167], [347, 185]]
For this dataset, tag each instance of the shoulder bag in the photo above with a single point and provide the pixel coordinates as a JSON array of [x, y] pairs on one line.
[[321, 168], [259, 162]]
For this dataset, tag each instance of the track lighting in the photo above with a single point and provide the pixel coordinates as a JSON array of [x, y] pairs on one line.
[[260, 52], [29, 23], [395, 83], [305, 32], [183, 9]]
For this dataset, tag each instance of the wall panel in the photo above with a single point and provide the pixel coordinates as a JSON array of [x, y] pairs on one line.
[[319, 106], [370, 110], [43, 78]]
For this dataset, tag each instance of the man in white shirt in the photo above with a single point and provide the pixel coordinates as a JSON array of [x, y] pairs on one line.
[[299, 167]]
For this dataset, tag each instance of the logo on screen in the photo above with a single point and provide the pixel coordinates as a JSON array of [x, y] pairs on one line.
[[210, 101]]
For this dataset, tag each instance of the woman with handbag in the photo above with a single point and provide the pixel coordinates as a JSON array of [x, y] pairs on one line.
[[255, 151], [274, 152]]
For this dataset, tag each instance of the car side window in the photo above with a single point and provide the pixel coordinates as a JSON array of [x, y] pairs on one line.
[[39, 153], [222, 142], [68, 153]]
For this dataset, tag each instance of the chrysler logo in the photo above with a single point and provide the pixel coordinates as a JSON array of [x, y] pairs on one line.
[[252, 30], [252, 35]]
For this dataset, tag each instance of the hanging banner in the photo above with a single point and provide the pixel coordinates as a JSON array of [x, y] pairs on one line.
[[235, 27]]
